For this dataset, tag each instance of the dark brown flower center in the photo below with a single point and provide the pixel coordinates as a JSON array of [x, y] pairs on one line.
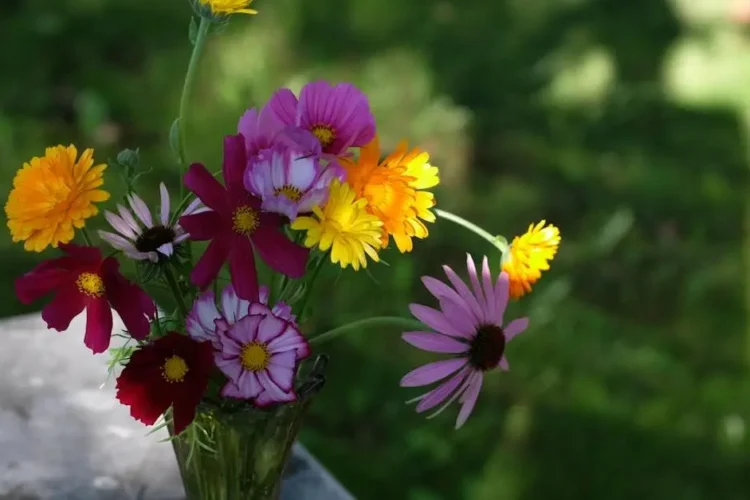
[[154, 237], [487, 348]]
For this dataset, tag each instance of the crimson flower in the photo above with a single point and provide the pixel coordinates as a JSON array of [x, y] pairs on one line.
[[171, 371], [237, 226], [82, 280]]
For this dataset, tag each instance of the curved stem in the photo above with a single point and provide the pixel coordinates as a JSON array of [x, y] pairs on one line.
[[310, 282], [172, 282], [187, 88], [86, 237], [495, 241], [362, 324]]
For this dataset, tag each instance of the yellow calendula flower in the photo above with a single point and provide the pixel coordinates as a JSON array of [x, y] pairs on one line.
[[52, 196], [394, 192], [529, 255], [344, 226], [228, 7]]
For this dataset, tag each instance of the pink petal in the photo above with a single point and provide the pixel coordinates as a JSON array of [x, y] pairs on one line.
[[209, 265], [271, 396], [242, 268], [249, 385], [469, 399], [285, 359], [290, 339], [515, 327], [432, 372], [270, 328], [275, 394], [282, 375], [202, 226], [438, 394], [276, 250], [40, 281], [98, 325], [233, 165], [230, 390], [200, 322], [246, 329], [66, 305], [435, 320], [141, 209], [207, 188], [232, 306], [283, 105], [164, 204], [132, 304], [434, 342]]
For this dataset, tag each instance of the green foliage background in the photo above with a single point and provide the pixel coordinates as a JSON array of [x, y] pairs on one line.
[[624, 123]]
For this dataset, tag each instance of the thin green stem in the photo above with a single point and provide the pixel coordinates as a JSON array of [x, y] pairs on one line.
[[362, 324], [493, 240], [187, 88], [172, 283], [86, 237], [310, 282]]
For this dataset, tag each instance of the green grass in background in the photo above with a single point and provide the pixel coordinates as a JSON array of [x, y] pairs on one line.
[[622, 122]]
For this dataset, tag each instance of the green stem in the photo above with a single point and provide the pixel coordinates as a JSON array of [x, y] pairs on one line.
[[493, 240], [172, 282], [310, 282], [187, 88], [86, 237], [378, 321]]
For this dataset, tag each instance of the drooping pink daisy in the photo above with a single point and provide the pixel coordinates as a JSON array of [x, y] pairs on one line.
[[156, 238], [259, 354], [469, 326], [261, 129], [237, 227], [205, 318], [339, 116], [289, 182]]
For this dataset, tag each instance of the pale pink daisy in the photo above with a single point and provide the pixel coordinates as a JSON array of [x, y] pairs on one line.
[[470, 327], [205, 318], [289, 182], [152, 238], [259, 355]]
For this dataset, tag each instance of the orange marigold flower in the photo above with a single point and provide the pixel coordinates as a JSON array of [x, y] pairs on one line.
[[394, 192], [52, 196], [529, 255]]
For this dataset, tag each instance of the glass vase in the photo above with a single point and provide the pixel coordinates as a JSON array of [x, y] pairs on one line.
[[238, 452]]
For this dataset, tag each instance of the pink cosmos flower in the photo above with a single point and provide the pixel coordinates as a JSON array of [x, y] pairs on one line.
[[206, 318], [152, 240], [237, 227], [289, 182], [260, 129], [259, 355], [339, 116], [469, 326]]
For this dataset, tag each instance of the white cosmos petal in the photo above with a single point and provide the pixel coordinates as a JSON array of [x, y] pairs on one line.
[[128, 218], [141, 210], [164, 204]]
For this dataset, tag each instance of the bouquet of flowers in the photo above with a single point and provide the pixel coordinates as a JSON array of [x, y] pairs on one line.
[[227, 366]]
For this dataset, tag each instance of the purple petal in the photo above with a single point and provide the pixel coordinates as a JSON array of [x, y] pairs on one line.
[[269, 397], [462, 322], [439, 290], [435, 320], [432, 372], [515, 327], [232, 368], [140, 209], [268, 384], [164, 204], [290, 339], [502, 289], [281, 374], [434, 342], [471, 268], [249, 385], [469, 399], [245, 330], [200, 322], [464, 292], [269, 328], [489, 294], [283, 105], [438, 394]]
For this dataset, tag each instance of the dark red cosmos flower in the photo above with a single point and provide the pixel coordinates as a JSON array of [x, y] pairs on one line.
[[236, 225], [82, 280], [171, 371]]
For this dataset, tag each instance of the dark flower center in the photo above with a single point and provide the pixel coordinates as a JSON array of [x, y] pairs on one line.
[[487, 348], [154, 237]]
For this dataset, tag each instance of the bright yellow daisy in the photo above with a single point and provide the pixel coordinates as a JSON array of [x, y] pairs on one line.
[[344, 226], [529, 255], [228, 7], [394, 192], [52, 196]]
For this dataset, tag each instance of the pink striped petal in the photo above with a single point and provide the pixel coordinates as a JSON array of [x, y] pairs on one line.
[[270, 327], [432, 372], [434, 342], [438, 394], [249, 385], [434, 319], [469, 399], [164, 212], [515, 327]]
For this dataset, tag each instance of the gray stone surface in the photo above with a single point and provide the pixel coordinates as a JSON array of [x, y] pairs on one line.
[[63, 435]]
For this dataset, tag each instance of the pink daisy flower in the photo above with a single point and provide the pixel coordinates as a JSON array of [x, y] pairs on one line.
[[237, 227], [339, 116], [289, 182], [260, 129], [205, 318], [470, 327], [259, 355], [157, 237]]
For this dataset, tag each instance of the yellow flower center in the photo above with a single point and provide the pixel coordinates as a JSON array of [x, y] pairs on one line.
[[245, 220], [291, 192], [254, 357], [90, 284], [325, 134], [174, 370]]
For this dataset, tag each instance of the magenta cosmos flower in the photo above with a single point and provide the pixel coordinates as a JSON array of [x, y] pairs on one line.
[[237, 227], [206, 317], [259, 355], [261, 130], [289, 182], [157, 237], [469, 327], [339, 116]]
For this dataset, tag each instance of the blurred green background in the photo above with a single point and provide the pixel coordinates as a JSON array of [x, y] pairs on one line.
[[625, 123]]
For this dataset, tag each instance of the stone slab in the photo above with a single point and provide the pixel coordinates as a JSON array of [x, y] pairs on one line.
[[63, 435]]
